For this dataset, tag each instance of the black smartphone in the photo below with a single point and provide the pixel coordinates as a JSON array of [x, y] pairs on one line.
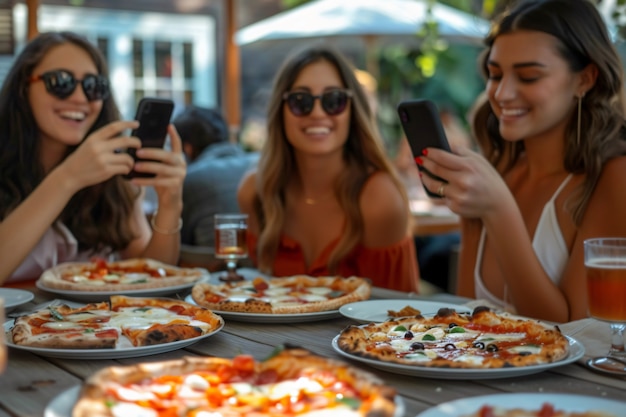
[[154, 116], [423, 129]]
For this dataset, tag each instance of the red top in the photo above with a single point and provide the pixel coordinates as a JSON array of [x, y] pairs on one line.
[[393, 267]]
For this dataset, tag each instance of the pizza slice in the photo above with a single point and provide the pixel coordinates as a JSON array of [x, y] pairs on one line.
[[64, 327], [123, 323], [151, 321]]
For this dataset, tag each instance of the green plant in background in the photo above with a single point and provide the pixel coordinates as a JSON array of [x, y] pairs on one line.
[[443, 72]]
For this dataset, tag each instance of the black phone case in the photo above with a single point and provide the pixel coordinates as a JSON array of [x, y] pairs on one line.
[[423, 129], [154, 116]]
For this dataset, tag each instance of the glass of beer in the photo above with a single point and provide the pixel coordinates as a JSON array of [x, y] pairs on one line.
[[230, 242], [605, 264]]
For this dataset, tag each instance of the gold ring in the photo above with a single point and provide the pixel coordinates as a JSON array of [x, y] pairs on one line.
[[441, 189]]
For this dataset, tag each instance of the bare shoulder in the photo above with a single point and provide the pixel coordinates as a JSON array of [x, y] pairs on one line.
[[385, 212]]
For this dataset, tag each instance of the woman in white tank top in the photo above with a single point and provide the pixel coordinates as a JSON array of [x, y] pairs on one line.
[[552, 167]]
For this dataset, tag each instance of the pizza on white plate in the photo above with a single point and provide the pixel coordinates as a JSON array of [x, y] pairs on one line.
[[545, 410], [289, 295], [292, 383], [123, 323], [130, 274], [449, 339]]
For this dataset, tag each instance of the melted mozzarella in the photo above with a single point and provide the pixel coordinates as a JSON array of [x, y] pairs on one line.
[[525, 348], [504, 337], [143, 318], [473, 359], [62, 325], [128, 409]]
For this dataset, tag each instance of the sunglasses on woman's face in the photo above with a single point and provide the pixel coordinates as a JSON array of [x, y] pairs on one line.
[[301, 103], [62, 83]]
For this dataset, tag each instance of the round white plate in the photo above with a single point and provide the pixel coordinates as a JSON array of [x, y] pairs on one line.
[[96, 296], [576, 351], [273, 318], [14, 298], [565, 402], [376, 310], [62, 405], [117, 353]]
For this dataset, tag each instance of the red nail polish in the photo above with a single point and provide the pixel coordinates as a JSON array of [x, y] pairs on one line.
[[425, 152], [418, 160]]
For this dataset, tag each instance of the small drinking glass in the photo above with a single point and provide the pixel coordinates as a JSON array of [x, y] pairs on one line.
[[230, 242], [605, 264]]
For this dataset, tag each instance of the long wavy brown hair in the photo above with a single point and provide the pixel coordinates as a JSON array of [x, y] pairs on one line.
[[98, 216], [363, 154], [583, 40]]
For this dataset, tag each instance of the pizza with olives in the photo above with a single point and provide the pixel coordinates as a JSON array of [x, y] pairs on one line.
[[289, 295], [292, 383], [482, 339]]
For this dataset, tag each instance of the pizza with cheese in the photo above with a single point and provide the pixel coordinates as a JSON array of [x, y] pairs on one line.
[[290, 295], [122, 323], [292, 383], [129, 274], [546, 410], [482, 339]]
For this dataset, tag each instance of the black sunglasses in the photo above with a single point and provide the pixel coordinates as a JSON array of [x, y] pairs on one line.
[[301, 103], [62, 83]]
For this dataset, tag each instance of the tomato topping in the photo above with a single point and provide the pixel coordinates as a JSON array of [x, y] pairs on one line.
[[547, 410], [260, 284], [243, 363]]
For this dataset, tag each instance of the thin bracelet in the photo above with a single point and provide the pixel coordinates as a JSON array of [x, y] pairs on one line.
[[165, 231]]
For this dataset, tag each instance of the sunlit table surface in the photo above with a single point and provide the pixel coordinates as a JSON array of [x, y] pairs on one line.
[[432, 219], [30, 382]]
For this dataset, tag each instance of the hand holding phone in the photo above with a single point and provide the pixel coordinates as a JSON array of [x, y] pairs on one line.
[[423, 129], [154, 116]]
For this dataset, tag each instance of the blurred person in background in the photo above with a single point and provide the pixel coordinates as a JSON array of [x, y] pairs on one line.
[[325, 200], [216, 166]]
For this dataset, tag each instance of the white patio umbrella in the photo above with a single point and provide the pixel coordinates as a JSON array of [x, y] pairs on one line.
[[371, 18]]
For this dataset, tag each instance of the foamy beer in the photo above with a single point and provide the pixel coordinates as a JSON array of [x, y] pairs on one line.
[[230, 236], [605, 263]]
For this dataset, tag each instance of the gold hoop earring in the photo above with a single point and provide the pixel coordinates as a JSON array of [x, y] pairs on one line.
[[580, 105]]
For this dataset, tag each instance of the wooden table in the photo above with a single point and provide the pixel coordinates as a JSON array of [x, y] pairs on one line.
[[31, 382], [432, 219]]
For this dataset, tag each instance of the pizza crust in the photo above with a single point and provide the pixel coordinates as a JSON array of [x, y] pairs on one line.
[[288, 364], [100, 325], [514, 341], [216, 297], [53, 277]]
